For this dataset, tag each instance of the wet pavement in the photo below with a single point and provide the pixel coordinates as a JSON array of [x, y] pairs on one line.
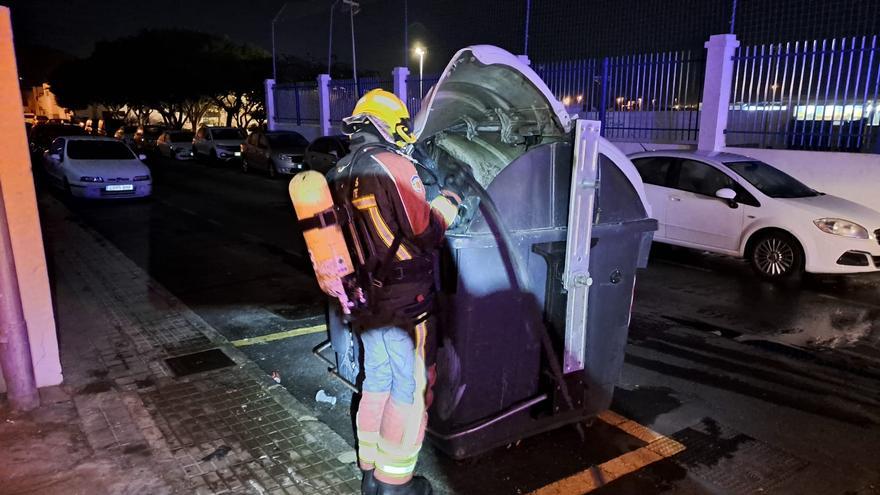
[[771, 388]]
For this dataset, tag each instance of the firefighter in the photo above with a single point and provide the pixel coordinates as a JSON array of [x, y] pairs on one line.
[[404, 230]]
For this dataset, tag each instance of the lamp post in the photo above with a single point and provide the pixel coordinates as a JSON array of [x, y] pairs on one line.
[[353, 8], [274, 20], [420, 51], [330, 41]]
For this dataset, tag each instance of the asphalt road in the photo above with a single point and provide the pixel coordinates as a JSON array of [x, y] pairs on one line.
[[771, 388]]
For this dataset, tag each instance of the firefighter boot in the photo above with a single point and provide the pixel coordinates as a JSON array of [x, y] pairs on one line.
[[369, 485], [418, 485]]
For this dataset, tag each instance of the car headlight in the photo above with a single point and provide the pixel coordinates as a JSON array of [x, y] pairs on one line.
[[91, 179], [141, 177], [841, 227]]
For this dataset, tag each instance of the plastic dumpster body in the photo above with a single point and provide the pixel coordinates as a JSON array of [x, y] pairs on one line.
[[560, 258]]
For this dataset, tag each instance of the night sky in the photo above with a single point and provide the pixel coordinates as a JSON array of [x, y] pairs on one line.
[[559, 29]]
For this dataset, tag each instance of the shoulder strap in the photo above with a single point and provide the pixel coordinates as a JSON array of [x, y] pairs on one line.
[[382, 270]]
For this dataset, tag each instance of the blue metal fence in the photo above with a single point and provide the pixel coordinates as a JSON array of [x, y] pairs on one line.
[[296, 103], [652, 96], [814, 95], [344, 94]]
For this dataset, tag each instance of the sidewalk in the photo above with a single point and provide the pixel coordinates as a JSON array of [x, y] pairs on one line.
[[128, 421]]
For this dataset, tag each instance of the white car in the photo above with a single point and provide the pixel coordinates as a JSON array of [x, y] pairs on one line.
[[218, 144], [97, 167], [176, 145], [739, 206]]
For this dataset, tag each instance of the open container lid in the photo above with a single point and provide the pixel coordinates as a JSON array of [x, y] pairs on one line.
[[499, 108], [485, 78], [487, 108]]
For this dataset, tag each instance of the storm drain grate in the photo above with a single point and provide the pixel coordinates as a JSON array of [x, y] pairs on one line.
[[733, 461], [198, 362]]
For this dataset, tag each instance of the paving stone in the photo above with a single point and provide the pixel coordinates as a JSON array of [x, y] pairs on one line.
[[190, 418]]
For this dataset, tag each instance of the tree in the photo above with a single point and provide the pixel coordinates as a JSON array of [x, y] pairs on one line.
[[177, 73]]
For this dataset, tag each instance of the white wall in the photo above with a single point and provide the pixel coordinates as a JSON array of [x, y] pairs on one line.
[[854, 176], [633, 147], [24, 221]]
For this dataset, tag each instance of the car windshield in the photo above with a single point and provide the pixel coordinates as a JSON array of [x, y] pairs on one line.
[[289, 139], [98, 150], [771, 181], [226, 133], [181, 137]]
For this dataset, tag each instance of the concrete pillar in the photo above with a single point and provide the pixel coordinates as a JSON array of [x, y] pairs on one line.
[[716, 91], [23, 220], [398, 76], [269, 84], [324, 103]]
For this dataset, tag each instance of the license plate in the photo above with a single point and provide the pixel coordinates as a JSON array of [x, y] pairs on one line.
[[238, 153], [120, 187]]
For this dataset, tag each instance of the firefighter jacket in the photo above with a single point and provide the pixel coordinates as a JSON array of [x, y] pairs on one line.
[[389, 207]]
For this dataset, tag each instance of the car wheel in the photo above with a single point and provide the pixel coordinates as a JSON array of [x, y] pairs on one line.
[[245, 167], [776, 256]]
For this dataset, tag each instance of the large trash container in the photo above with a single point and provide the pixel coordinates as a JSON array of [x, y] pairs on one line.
[[560, 259]]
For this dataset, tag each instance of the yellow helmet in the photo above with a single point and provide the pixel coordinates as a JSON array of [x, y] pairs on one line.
[[386, 112]]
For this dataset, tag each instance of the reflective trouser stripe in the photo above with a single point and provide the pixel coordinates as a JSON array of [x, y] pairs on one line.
[[395, 464]]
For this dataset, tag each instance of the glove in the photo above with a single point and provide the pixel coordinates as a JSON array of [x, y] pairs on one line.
[[446, 206]]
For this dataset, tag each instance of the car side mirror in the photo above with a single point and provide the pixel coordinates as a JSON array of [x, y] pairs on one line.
[[728, 195], [56, 157]]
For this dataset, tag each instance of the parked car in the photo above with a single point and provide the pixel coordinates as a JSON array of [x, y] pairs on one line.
[[97, 168], [145, 140], [324, 152], [276, 152], [176, 145], [218, 143], [126, 134], [736, 205], [42, 135]]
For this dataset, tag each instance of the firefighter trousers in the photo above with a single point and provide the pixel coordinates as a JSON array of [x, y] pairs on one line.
[[396, 392]]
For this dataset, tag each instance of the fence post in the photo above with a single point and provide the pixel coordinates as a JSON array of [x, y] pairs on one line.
[[296, 88], [269, 84], [324, 103], [716, 91], [398, 77], [603, 96]]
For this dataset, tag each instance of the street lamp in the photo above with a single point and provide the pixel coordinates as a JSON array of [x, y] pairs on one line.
[[274, 20], [420, 51], [330, 42], [353, 8]]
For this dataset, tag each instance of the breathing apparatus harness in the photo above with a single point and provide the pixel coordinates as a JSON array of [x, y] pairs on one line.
[[382, 290]]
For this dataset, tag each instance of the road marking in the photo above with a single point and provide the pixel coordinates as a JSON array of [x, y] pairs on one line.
[[659, 447], [279, 336]]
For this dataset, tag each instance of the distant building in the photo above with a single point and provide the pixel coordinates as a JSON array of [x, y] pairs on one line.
[[41, 103]]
